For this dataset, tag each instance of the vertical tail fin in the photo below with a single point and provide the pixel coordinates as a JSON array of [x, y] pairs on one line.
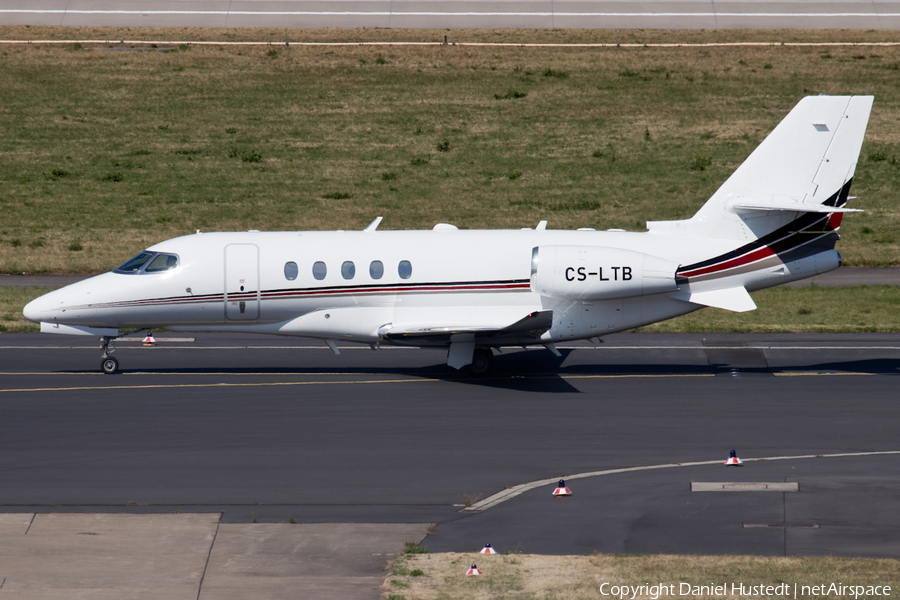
[[804, 166]]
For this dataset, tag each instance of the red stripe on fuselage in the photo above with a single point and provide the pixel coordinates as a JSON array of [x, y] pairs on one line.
[[754, 256], [251, 296]]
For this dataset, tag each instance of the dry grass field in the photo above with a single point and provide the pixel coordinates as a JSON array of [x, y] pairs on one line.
[[535, 577], [109, 148]]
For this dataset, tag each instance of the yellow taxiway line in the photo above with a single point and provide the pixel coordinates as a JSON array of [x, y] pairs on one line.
[[350, 382]]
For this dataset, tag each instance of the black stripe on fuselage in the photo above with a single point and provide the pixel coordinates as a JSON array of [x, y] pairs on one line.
[[783, 238], [330, 290]]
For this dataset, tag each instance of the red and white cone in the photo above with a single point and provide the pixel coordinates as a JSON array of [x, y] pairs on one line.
[[733, 460], [473, 571], [562, 490], [487, 550], [149, 340]]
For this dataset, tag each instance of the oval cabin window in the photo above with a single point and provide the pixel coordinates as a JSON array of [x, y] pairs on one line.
[[404, 269], [319, 270], [290, 271]]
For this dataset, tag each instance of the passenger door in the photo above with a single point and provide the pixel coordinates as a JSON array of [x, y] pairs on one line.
[[241, 282]]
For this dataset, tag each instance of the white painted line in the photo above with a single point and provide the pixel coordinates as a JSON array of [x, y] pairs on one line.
[[388, 13], [365, 347], [739, 486], [698, 347], [514, 491], [216, 347], [784, 525], [471, 44], [159, 339]]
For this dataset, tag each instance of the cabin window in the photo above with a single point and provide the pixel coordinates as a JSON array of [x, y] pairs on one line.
[[348, 270], [376, 269], [404, 269], [135, 264], [162, 262], [290, 271], [319, 270]]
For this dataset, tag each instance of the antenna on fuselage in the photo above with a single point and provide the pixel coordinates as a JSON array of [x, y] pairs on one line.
[[374, 224]]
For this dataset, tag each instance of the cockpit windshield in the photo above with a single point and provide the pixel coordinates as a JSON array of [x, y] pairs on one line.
[[149, 262], [162, 262]]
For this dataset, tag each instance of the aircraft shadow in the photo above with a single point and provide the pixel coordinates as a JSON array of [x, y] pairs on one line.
[[540, 372]]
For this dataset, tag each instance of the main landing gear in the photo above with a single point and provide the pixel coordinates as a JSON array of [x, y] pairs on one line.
[[108, 364], [482, 362]]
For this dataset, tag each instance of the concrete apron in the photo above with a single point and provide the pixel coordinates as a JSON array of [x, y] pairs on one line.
[[191, 556]]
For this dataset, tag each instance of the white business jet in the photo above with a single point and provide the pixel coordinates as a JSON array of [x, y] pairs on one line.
[[773, 221]]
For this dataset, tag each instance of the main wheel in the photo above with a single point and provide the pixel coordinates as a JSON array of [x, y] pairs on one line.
[[109, 365], [482, 361]]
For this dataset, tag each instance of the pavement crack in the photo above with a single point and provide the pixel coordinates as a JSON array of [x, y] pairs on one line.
[[208, 555], [30, 523]]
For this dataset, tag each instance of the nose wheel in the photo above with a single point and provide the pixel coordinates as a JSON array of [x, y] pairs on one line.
[[108, 364]]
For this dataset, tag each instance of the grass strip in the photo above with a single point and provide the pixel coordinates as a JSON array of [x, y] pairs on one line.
[[780, 310], [854, 309], [509, 36], [110, 148], [528, 576], [12, 301]]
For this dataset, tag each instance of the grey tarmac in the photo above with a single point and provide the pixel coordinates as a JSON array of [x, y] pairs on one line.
[[191, 556], [281, 427]]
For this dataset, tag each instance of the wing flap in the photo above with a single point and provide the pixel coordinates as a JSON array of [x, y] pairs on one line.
[[532, 325]]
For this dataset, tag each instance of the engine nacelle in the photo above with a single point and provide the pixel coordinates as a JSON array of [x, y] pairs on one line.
[[599, 273]]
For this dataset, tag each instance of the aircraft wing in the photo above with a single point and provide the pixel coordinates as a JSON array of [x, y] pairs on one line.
[[528, 329]]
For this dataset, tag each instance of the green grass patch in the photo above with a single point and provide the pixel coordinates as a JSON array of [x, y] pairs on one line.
[[811, 308], [134, 147], [12, 301], [413, 548]]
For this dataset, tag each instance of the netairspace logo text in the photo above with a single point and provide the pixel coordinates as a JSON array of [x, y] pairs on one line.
[[786, 590]]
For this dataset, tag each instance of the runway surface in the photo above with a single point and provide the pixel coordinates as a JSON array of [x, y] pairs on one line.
[[431, 14], [279, 426]]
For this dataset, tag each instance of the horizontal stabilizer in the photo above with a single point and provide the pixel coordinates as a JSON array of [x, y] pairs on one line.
[[788, 205], [735, 299], [531, 326]]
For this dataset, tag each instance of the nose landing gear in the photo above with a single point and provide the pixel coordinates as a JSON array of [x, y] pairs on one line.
[[108, 364]]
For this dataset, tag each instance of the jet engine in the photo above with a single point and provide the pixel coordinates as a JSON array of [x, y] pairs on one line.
[[599, 273]]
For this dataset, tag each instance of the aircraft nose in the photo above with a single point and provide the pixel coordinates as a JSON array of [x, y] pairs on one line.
[[32, 310]]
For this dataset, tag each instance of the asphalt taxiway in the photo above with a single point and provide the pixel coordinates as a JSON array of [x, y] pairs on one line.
[[279, 426]]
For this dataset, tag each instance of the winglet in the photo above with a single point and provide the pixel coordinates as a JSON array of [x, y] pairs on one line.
[[374, 224], [735, 299]]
